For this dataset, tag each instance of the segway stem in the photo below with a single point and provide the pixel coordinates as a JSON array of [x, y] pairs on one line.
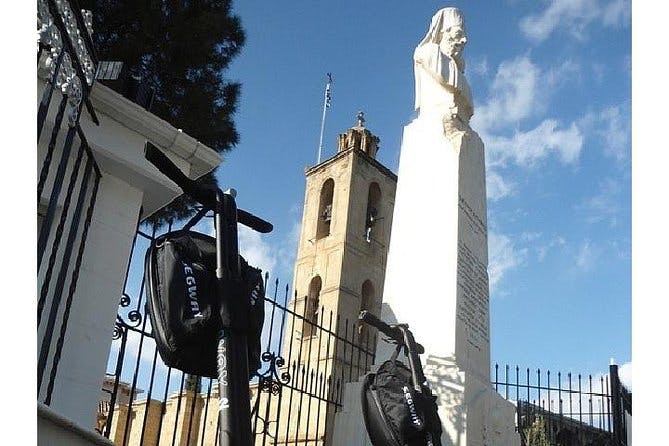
[[232, 352]]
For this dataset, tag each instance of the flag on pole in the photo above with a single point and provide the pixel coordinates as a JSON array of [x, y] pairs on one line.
[[328, 95]]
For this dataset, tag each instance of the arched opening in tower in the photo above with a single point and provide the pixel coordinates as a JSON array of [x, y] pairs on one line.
[[325, 209], [373, 212], [366, 303], [312, 308]]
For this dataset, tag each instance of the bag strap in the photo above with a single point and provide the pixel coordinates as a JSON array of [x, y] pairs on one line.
[[396, 353]]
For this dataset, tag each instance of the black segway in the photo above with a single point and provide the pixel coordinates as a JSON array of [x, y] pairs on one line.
[[398, 406], [223, 316]]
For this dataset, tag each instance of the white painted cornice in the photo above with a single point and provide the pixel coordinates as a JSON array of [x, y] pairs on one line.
[[158, 131]]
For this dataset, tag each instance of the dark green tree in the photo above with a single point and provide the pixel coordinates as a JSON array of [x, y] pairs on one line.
[[182, 49]]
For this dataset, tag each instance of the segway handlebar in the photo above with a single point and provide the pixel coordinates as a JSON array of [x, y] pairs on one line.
[[202, 195], [392, 331]]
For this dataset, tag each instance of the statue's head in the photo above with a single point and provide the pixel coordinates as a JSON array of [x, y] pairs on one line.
[[447, 29], [453, 37]]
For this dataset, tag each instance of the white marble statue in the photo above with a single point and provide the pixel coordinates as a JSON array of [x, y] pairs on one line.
[[441, 85]]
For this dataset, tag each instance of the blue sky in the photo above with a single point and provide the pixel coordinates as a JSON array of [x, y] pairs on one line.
[[552, 89]]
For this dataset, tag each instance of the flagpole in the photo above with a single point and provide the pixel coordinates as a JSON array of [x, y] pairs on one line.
[[326, 105]]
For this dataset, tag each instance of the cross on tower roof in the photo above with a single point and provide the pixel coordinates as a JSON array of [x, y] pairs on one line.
[[361, 118]]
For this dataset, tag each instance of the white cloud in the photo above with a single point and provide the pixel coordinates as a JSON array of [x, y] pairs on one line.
[[575, 16], [585, 258], [566, 72], [503, 257], [255, 249], [479, 66], [512, 95], [528, 148], [520, 91], [616, 12], [496, 186], [605, 204], [625, 375], [612, 128], [543, 249]]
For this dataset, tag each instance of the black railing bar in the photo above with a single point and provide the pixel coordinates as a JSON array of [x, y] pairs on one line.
[[65, 38], [133, 387], [311, 390], [517, 382], [73, 283], [271, 323], [90, 47], [325, 427], [89, 151], [299, 406], [147, 406], [328, 358], [601, 382], [590, 399], [142, 284], [178, 411], [580, 400], [266, 419], [278, 415], [345, 340], [539, 383], [536, 387], [206, 409], [312, 395], [117, 377], [318, 364], [192, 411], [164, 406], [350, 371], [560, 390], [318, 409], [53, 197], [283, 316], [342, 362], [134, 329], [51, 147], [299, 351], [218, 428], [143, 234], [195, 219], [293, 374], [60, 283], [360, 341], [496, 377], [299, 361], [59, 234], [137, 363], [48, 94], [548, 374]]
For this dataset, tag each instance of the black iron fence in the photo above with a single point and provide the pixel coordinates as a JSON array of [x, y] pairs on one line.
[[309, 353], [68, 174], [567, 409]]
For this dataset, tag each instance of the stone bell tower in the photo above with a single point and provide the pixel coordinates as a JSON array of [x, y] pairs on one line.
[[341, 256]]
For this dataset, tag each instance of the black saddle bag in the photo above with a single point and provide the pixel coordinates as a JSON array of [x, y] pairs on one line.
[[184, 306], [395, 414]]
